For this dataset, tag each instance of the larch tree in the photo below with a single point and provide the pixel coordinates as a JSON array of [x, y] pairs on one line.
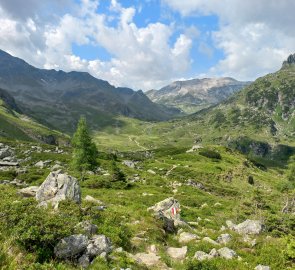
[[85, 153]]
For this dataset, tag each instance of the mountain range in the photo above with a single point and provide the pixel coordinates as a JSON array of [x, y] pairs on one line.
[[193, 95], [57, 98]]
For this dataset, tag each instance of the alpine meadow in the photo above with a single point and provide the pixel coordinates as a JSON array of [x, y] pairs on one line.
[[193, 170]]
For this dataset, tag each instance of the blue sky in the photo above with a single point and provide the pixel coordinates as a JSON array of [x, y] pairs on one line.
[[148, 44], [203, 54]]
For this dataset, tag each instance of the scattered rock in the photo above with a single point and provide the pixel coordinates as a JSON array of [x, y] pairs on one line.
[[209, 240], [186, 237], [129, 163], [71, 246], [195, 184], [201, 256], [227, 253], [177, 253], [91, 199], [151, 172], [42, 164], [247, 227], [262, 267], [58, 187], [28, 191], [194, 148], [148, 259], [224, 238]]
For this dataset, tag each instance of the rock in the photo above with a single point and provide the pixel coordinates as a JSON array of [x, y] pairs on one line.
[[58, 187], [98, 245], [177, 253], [262, 267], [71, 246], [91, 199], [28, 191], [186, 237], [151, 172], [129, 163], [201, 256], [168, 211], [209, 240], [5, 151], [56, 167], [224, 238], [249, 227], [195, 184], [214, 253], [227, 253], [248, 240], [84, 261], [148, 259], [40, 164], [87, 228], [230, 224], [9, 164], [152, 249], [194, 148]]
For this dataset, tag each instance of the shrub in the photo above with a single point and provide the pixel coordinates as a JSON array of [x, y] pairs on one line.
[[37, 229], [210, 153]]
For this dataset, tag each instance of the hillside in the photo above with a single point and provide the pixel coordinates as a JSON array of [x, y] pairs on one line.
[[194, 95], [15, 125], [57, 99], [258, 120]]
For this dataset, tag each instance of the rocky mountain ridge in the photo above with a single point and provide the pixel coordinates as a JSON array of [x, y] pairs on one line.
[[58, 98], [196, 92]]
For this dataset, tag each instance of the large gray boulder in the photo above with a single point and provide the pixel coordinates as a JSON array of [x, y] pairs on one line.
[[58, 187], [71, 246]]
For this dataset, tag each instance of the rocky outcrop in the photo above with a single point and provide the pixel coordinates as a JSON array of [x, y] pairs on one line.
[[290, 61], [58, 187]]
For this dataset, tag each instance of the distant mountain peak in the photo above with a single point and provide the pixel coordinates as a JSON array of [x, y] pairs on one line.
[[290, 61]]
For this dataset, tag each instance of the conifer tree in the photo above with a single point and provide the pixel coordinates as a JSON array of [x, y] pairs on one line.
[[84, 150]]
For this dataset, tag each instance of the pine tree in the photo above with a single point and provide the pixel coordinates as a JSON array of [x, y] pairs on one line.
[[84, 150]]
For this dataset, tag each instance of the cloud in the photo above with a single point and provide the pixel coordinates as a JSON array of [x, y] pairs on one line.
[[141, 57], [255, 36]]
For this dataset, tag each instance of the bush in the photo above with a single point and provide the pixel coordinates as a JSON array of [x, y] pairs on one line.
[[37, 229], [210, 153]]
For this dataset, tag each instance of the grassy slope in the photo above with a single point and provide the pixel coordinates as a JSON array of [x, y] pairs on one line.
[[20, 127], [128, 207]]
